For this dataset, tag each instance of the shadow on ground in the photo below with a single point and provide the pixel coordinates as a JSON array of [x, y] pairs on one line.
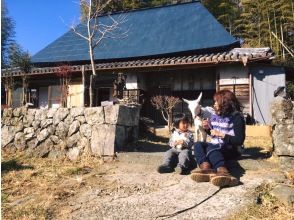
[[11, 165], [255, 153]]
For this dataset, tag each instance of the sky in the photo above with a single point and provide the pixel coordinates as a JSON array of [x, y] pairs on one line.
[[40, 22]]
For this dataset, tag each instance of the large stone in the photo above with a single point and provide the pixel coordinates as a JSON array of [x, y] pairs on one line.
[[122, 115], [16, 112], [55, 139], [51, 112], [29, 136], [31, 111], [61, 130], [18, 126], [15, 120], [94, 115], [86, 130], [29, 133], [29, 130], [68, 120], [28, 120], [73, 128], [284, 149], [286, 162], [84, 146], [36, 124], [73, 140], [24, 110], [73, 153], [284, 193], [103, 140], [43, 135], [7, 135], [81, 119], [61, 145], [51, 129], [19, 141], [83, 143], [41, 114], [6, 121], [32, 143], [56, 154], [60, 115], [78, 111], [45, 123], [281, 110], [7, 112], [43, 149]]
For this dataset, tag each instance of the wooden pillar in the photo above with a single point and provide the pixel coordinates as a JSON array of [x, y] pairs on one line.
[[91, 90], [84, 85], [250, 95], [217, 81]]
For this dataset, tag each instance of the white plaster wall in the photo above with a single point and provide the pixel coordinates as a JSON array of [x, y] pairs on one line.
[[229, 72]]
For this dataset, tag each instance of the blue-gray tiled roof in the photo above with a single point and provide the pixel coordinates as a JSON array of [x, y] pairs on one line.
[[154, 31]]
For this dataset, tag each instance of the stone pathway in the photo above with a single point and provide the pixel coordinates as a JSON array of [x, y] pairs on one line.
[[132, 189]]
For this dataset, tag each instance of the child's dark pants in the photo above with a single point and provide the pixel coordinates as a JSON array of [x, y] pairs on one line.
[[172, 157]]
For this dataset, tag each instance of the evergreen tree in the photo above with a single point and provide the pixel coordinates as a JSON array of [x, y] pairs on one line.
[[7, 34], [18, 57]]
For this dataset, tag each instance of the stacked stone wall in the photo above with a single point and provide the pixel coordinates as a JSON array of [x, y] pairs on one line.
[[282, 113], [70, 132]]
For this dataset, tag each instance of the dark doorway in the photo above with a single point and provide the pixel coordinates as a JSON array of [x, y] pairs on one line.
[[102, 94]]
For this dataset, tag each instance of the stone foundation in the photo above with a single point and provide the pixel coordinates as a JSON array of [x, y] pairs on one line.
[[70, 132], [282, 112]]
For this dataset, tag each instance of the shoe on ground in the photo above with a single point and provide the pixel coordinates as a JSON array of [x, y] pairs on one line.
[[182, 170], [202, 175], [165, 169], [224, 180]]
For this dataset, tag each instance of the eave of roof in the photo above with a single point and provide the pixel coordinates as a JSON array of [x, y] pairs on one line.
[[236, 55]]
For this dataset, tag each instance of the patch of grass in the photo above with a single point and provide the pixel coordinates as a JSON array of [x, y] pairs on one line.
[[260, 142], [265, 207], [73, 171], [4, 197], [28, 212], [36, 188]]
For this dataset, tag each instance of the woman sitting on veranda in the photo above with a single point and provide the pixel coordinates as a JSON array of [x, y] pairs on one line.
[[227, 131]]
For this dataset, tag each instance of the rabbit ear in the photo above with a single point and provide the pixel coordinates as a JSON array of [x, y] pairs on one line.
[[199, 97]]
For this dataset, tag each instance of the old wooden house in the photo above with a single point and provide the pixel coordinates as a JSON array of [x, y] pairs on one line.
[[178, 50]]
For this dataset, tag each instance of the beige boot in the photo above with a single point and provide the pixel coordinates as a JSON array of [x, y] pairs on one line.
[[202, 174], [224, 178]]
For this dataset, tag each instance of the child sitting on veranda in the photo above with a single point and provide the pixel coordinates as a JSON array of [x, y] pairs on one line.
[[181, 142]]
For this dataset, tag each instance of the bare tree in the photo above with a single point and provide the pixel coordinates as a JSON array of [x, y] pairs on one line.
[[165, 105], [97, 31], [65, 78], [9, 84]]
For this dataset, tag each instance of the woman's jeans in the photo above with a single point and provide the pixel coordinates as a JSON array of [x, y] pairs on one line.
[[213, 153]]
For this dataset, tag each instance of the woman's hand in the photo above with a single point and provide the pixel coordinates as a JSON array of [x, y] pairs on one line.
[[205, 124], [217, 134]]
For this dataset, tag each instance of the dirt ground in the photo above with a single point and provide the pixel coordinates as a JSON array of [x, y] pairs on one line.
[[130, 187]]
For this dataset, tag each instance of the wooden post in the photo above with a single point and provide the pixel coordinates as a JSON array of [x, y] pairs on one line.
[[49, 97], [250, 95], [91, 90], [217, 81], [84, 84]]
